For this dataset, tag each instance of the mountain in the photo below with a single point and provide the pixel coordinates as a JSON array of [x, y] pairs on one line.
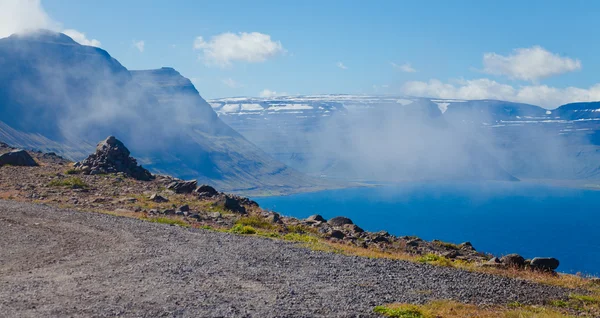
[[360, 137], [57, 95], [523, 140]]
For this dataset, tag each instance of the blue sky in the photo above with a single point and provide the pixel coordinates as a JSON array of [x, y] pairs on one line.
[[308, 47]]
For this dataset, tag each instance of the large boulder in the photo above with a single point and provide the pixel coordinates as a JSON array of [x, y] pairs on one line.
[[183, 186], [17, 157], [111, 157], [339, 221], [316, 218], [545, 263], [206, 191], [513, 260]]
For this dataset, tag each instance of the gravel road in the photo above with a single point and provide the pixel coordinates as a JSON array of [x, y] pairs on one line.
[[59, 263]]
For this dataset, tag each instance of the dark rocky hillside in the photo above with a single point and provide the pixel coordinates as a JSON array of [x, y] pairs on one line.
[[59, 96]]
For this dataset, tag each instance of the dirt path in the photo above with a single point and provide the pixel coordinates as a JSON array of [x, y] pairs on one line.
[[62, 263]]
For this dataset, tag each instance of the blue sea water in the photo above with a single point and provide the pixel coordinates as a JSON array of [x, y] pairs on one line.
[[496, 217]]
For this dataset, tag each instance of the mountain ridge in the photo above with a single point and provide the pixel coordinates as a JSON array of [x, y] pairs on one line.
[[61, 96]]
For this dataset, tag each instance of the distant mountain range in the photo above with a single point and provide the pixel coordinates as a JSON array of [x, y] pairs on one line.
[[527, 141], [57, 95]]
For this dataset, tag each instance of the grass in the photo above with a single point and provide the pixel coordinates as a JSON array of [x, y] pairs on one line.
[[434, 259], [72, 171], [300, 229], [73, 183], [243, 229], [451, 309], [256, 222], [400, 311]]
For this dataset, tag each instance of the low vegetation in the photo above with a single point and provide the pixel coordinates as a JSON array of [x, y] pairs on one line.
[[73, 183], [256, 222], [576, 305], [243, 229]]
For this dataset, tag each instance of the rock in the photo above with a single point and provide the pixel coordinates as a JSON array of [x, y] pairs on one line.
[[112, 156], [215, 215], [158, 198], [336, 234], [184, 208], [168, 211], [513, 260], [195, 216], [316, 218], [494, 262], [153, 211], [378, 238], [183, 186], [17, 157], [353, 228], [414, 242], [339, 221], [545, 263], [451, 254], [127, 200], [466, 246], [272, 217], [180, 213], [230, 203], [206, 191]]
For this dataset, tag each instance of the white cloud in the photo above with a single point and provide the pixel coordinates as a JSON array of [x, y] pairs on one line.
[[341, 65], [225, 48], [80, 38], [542, 95], [267, 93], [18, 16], [140, 45], [529, 64], [231, 83], [406, 67], [22, 16]]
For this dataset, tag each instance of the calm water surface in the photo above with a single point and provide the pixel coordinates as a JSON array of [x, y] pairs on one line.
[[499, 218]]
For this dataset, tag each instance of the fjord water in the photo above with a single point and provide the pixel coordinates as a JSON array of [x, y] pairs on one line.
[[496, 217]]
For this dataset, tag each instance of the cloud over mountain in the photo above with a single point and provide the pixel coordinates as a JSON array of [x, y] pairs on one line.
[[23, 16], [483, 88], [529, 64], [225, 48]]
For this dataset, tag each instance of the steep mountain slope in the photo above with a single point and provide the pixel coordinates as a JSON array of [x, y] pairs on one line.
[[57, 95]]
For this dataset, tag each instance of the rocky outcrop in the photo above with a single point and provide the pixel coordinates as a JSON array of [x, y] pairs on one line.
[[513, 260], [111, 157], [545, 263], [339, 221], [183, 186], [17, 157]]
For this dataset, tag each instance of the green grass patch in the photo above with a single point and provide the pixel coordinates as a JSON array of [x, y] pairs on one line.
[[403, 311], [302, 238], [256, 222], [72, 171], [434, 260], [300, 229], [587, 299], [243, 229], [73, 183], [447, 245]]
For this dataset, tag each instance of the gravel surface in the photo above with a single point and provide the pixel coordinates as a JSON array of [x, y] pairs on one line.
[[62, 263]]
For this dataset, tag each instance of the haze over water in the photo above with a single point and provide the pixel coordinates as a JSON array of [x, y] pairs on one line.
[[496, 217]]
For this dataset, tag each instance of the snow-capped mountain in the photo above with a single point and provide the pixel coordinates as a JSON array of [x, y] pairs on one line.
[[527, 140]]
